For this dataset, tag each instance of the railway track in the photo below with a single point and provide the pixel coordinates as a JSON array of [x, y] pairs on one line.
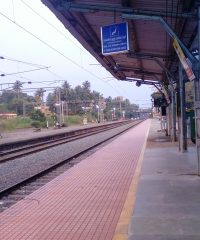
[[25, 147], [12, 194]]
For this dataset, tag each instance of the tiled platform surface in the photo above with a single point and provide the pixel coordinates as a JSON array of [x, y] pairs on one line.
[[168, 198], [83, 203]]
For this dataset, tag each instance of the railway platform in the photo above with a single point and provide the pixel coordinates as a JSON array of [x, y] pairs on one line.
[[30, 133], [132, 188], [168, 197]]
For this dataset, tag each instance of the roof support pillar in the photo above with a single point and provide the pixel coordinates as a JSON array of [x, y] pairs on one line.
[[157, 88], [183, 126], [173, 114], [175, 36], [170, 78], [173, 106], [197, 98]]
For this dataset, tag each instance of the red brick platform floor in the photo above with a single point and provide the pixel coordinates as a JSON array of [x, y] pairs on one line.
[[83, 203]]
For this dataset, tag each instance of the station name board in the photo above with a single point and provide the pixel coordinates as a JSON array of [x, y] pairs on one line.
[[114, 38]]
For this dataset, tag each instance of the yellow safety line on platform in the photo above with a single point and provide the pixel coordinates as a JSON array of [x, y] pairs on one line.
[[121, 231]]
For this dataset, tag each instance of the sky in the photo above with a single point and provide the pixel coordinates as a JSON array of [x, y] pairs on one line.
[[35, 47]]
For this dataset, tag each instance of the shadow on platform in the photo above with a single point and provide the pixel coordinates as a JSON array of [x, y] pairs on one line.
[[168, 198]]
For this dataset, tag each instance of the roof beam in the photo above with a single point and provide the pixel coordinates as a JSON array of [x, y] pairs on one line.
[[149, 82], [167, 72], [137, 71], [150, 55], [167, 28], [135, 47], [79, 7], [130, 13]]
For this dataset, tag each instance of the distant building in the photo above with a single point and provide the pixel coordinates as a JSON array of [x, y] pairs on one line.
[[44, 109], [8, 115]]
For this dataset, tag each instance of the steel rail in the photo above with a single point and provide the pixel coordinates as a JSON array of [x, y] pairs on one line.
[[6, 191], [36, 147], [23, 142]]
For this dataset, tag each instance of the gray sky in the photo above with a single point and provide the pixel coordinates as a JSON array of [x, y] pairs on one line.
[[56, 49]]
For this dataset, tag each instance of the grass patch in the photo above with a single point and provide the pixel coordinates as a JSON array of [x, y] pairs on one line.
[[26, 122], [78, 120], [15, 123], [74, 120]]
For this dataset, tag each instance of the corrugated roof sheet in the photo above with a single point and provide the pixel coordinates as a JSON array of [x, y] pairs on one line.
[[150, 46]]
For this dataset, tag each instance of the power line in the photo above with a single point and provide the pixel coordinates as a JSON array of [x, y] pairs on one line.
[[55, 74], [19, 61], [43, 82], [13, 10], [48, 45], [36, 69], [45, 20], [31, 64], [54, 49]]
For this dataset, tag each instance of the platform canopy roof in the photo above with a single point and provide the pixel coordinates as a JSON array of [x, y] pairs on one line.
[[153, 26]]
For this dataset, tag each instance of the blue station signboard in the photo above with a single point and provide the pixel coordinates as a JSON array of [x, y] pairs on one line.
[[114, 38]]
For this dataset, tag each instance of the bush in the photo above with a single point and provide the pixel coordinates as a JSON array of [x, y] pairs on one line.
[[15, 123], [74, 120], [37, 115], [36, 124]]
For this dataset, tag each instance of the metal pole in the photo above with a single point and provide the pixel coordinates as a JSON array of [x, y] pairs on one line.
[[67, 110], [173, 114], [24, 110], [62, 111], [197, 99], [120, 108], [184, 124], [173, 108], [100, 115], [183, 135], [168, 123], [178, 113], [60, 108]]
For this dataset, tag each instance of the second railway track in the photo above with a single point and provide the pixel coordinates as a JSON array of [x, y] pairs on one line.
[[16, 191], [21, 148]]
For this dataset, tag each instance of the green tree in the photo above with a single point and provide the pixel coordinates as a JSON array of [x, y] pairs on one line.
[[66, 91], [82, 96], [17, 87], [86, 92], [51, 101], [39, 96], [86, 86], [11, 102], [37, 115]]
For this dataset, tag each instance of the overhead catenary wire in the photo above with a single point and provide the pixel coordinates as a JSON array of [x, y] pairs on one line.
[[13, 10], [29, 89], [48, 45], [55, 28], [33, 82], [32, 70], [19, 61], [55, 74], [41, 82], [32, 64], [54, 49]]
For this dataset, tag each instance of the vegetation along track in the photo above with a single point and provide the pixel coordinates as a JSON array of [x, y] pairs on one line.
[[21, 188], [9, 151]]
